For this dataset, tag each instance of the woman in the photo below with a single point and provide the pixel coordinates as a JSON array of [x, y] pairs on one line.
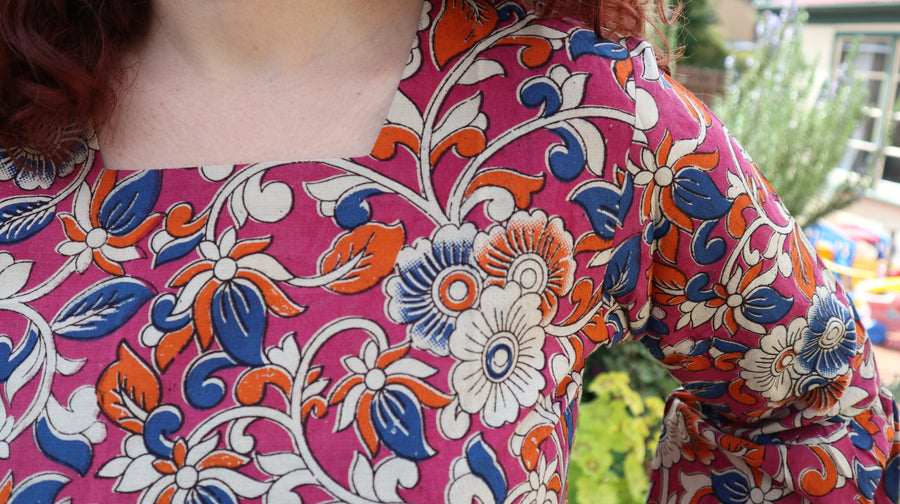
[[402, 315]]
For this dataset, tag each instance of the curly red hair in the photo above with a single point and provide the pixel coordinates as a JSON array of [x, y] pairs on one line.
[[59, 59]]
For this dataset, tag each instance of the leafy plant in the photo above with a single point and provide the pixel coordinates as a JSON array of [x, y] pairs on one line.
[[617, 435], [696, 33], [647, 375], [794, 129]]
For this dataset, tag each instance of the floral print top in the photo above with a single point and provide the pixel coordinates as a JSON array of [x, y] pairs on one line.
[[411, 326]]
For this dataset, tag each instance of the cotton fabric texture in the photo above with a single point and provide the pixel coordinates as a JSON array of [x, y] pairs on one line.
[[411, 326]]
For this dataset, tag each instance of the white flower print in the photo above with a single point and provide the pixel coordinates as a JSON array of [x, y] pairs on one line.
[[500, 352], [772, 368], [189, 472], [545, 484]]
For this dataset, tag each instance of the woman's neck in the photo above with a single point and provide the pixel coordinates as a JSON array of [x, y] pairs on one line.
[[230, 40], [235, 81]]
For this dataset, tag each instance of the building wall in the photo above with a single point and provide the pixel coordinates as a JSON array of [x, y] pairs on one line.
[[819, 39], [736, 19]]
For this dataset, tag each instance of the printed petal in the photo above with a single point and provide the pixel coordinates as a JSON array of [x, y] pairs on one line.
[[239, 318], [400, 424]]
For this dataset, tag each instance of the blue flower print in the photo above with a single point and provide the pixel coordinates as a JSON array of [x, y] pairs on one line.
[[30, 170], [829, 343], [437, 281]]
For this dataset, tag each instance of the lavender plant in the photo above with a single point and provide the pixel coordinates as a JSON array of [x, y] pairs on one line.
[[795, 129]]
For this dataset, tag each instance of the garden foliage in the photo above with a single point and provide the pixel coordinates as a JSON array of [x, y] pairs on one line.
[[617, 436], [794, 128]]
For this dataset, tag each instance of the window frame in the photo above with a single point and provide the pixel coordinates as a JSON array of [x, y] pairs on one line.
[[889, 95]]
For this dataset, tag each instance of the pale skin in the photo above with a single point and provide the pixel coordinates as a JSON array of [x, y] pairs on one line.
[[238, 81]]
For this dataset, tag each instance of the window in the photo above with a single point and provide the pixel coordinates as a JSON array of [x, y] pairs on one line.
[[876, 62]]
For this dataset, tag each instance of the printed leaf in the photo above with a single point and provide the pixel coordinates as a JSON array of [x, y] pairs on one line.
[[14, 277], [405, 113], [344, 198], [483, 461], [392, 474], [72, 451], [803, 263], [707, 390], [23, 217], [522, 187], [265, 202], [373, 246], [605, 204], [482, 70], [461, 116], [622, 274], [127, 390], [101, 309], [201, 388], [765, 305], [236, 206], [41, 488], [696, 194], [12, 357], [588, 132], [362, 477], [279, 464], [731, 486], [460, 26], [23, 371], [176, 249]]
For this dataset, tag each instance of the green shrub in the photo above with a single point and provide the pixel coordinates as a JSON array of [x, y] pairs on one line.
[[647, 375], [795, 129], [617, 434]]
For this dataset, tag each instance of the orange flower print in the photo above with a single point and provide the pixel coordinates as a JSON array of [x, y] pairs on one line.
[[182, 472], [107, 225], [383, 396], [230, 291], [533, 251]]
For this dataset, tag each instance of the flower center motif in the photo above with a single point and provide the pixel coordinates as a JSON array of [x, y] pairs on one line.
[[96, 238], [734, 300], [530, 271], [225, 269], [186, 477], [375, 379], [663, 176], [783, 362], [500, 355], [456, 290], [833, 334]]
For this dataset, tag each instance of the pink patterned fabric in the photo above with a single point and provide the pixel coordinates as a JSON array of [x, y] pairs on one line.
[[411, 326]]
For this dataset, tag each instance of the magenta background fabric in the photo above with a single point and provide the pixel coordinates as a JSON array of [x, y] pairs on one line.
[[411, 326]]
